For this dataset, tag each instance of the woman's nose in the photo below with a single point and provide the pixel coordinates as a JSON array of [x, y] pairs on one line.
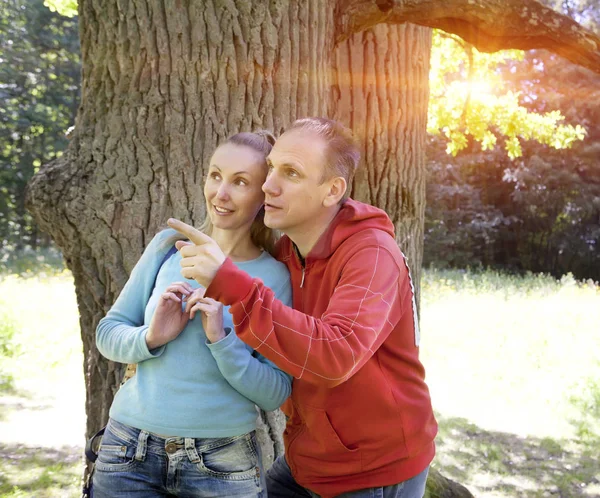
[[223, 192]]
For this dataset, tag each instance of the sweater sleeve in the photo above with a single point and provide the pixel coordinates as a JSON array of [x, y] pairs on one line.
[[364, 308], [252, 375], [121, 334]]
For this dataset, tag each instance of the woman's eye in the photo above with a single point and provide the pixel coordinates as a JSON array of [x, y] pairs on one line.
[[214, 176], [241, 181]]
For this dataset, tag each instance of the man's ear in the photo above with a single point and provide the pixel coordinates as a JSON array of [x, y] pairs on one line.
[[337, 189]]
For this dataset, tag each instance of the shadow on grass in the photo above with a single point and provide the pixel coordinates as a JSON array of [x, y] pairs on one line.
[[504, 464], [16, 401], [40, 472]]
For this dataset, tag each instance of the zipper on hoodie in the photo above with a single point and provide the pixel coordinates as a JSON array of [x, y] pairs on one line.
[[302, 262]]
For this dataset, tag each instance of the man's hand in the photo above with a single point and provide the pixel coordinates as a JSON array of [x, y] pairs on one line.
[[169, 319], [200, 259]]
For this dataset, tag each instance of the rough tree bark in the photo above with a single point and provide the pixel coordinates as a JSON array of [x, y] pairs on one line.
[[380, 88], [164, 82]]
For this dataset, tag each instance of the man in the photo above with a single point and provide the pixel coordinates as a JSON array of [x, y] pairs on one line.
[[360, 419]]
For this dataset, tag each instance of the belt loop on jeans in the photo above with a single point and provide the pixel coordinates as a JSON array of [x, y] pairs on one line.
[[140, 453], [190, 449]]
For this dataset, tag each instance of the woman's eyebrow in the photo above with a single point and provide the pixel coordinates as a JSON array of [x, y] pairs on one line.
[[241, 172]]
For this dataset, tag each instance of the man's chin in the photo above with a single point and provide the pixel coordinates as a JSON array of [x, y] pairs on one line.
[[272, 223]]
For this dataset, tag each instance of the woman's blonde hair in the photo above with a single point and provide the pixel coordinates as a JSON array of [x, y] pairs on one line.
[[261, 141]]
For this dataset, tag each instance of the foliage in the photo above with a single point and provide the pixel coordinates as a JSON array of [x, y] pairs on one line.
[[468, 100], [585, 12], [66, 8], [29, 263], [538, 213], [39, 76]]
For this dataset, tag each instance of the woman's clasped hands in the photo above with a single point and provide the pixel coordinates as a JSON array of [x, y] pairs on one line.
[[170, 317]]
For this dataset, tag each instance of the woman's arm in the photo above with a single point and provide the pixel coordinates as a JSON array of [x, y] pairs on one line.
[[250, 374], [121, 334]]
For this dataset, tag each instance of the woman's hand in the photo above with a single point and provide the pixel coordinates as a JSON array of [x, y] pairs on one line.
[[211, 313], [169, 318]]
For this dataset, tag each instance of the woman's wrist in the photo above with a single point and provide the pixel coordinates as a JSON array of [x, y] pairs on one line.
[[219, 337], [151, 342]]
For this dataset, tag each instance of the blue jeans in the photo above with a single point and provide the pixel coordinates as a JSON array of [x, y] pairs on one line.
[[281, 484], [134, 463]]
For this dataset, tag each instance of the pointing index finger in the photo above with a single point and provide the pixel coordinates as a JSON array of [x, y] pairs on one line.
[[196, 236]]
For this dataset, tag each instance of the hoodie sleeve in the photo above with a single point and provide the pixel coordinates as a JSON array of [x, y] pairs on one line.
[[121, 334], [372, 295]]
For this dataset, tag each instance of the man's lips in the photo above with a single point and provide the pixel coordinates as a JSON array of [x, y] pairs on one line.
[[270, 207]]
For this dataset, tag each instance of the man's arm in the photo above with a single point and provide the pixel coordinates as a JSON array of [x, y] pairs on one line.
[[363, 310]]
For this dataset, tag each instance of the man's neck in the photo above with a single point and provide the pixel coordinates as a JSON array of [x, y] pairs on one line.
[[306, 237]]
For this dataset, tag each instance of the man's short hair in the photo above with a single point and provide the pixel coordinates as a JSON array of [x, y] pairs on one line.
[[341, 152]]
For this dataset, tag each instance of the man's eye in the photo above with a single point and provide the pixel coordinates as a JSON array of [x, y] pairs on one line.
[[293, 173]]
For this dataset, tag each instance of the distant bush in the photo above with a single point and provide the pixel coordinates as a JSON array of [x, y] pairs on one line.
[[538, 214], [29, 263]]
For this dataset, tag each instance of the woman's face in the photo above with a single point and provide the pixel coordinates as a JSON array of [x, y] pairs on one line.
[[233, 187]]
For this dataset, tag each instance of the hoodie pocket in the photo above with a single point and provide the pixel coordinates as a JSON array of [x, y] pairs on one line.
[[320, 451]]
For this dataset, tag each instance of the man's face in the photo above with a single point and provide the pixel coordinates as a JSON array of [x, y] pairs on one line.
[[294, 190]]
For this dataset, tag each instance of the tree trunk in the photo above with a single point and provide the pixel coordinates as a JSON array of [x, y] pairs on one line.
[[380, 89], [164, 82]]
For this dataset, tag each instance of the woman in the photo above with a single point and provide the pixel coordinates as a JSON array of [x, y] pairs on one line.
[[184, 424]]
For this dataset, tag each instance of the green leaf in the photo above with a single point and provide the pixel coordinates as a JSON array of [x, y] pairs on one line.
[[67, 8]]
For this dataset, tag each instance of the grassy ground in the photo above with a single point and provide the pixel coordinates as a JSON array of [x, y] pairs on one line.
[[513, 368], [42, 414], [512, 364]]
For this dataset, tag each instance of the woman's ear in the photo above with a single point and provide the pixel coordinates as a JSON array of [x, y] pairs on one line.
[[337, 189]]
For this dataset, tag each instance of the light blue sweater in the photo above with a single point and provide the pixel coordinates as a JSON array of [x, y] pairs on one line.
[[188, 387]]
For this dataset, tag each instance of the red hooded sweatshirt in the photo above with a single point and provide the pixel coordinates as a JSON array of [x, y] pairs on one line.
[[360, 413]]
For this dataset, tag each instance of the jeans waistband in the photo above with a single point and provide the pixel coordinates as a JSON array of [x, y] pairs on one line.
[[153, 442]]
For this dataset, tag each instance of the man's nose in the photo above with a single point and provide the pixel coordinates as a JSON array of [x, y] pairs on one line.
[[270, 186]]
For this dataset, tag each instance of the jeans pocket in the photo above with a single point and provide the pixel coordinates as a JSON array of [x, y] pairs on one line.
[[116, 452], [234, 458]]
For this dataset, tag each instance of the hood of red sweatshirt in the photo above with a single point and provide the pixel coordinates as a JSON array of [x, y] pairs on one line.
[[353, 217]]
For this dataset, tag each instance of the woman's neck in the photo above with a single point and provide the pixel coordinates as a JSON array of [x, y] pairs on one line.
[[235, 244]]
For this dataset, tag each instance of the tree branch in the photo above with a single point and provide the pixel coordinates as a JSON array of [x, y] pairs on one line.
[[489, 25]]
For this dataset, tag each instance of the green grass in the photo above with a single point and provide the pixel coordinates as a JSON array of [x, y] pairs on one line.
[[512, 364], [40, 473], [42, 406]]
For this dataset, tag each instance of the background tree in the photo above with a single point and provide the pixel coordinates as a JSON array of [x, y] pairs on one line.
[[39, 71], [539, 212], [164, 82]]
